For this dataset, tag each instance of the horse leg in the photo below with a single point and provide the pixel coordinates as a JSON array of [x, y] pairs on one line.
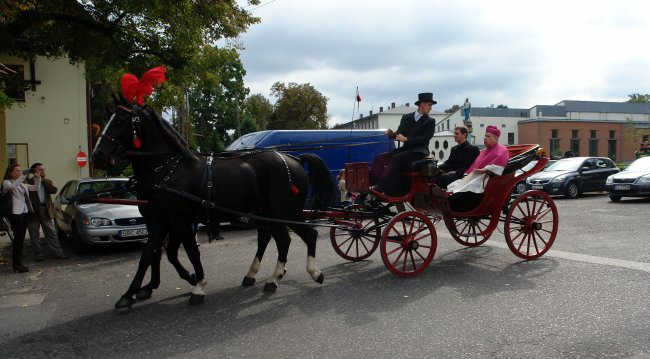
[[146, 291], [282, 241], [309, 235], [172, 257], [146, 259], [192, 251], [263, 239]]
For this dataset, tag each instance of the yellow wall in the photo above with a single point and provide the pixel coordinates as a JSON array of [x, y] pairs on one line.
[[52, 121]]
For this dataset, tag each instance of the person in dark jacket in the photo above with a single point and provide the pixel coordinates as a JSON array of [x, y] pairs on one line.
[[414, 133], [461, 157]]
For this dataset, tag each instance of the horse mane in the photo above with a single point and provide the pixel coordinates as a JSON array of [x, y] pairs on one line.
[[170, 132]]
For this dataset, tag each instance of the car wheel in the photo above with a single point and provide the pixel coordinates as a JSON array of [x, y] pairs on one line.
[[614, 198], [520, 187], [571, 190], [79, 246]]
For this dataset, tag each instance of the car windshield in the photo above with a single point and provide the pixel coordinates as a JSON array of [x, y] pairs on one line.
[[567, 164], [101, 186], [642, 164]]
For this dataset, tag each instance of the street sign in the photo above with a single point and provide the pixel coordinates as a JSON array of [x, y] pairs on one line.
[[82, 159]]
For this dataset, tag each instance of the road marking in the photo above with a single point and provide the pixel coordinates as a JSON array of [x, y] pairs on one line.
[[642, 266]]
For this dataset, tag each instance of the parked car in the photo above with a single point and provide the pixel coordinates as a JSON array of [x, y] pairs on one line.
[[520, 187], [573, 176], [633, 181], [97, 223]]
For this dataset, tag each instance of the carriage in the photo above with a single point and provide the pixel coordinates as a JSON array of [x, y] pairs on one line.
[[404, 227]]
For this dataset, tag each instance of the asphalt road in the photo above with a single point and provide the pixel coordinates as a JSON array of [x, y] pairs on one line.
[[586, 298]]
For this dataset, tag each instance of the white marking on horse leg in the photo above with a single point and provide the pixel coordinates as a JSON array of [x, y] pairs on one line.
[[278, 273], [312, 269], [198, 288], [255, 267]]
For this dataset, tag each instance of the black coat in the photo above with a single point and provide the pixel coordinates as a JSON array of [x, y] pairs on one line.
[[461, 158], [418, 133]]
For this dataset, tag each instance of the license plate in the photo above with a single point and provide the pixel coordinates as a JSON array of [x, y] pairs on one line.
[[537, 186], [622, 187], [133, 232]]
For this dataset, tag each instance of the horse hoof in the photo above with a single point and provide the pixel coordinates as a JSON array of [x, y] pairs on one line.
[[193, 280], [143, 293], [124, 302], [320, 279], [196, 299], [248, 281], [270, 287]]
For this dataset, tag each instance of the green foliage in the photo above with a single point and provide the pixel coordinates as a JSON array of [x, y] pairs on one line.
[[502, 106], [298, 107], [116, 37], [453, 109], [638, 98], [258, 109]]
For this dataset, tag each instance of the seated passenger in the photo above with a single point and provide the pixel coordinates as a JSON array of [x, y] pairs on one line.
[[468, 191], [461, 157]]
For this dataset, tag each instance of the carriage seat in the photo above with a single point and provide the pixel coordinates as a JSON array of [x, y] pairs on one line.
[[427, 167]]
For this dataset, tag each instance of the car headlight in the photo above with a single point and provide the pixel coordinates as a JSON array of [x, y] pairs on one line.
[[609, 180], [558, 179], [643, 179], [98, 221]]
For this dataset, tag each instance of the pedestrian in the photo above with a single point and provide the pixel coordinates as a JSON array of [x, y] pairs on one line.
[[468, 191], [467, 109], [21, 207], [43, 216], [461, 157], [414, 133]]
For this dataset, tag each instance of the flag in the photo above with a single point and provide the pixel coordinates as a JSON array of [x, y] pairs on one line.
[[358, 96]]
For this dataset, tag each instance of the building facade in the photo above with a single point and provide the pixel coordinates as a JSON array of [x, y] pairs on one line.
[[49, 124]]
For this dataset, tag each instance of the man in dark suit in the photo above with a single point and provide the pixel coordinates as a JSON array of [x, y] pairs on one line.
[[414, 132], [461, 157]]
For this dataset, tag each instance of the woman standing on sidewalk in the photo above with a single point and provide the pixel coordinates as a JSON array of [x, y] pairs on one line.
[[21, 207]]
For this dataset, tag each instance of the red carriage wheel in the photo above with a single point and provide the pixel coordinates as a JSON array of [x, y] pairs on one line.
[[471, 231], [408, 243], [531, 225], [359, 242]]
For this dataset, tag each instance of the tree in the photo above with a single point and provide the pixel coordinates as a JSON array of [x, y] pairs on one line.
[[114, 37], [502, 106], [215, 100], [638, 98], [453, 109], [258, 109], [298, 107]]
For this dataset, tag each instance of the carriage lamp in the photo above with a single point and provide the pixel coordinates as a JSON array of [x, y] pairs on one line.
[[98, 221]]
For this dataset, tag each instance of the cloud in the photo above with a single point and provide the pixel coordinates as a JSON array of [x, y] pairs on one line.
[[500, 52]]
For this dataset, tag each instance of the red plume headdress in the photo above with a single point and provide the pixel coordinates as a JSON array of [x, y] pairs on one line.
[[134, 90]]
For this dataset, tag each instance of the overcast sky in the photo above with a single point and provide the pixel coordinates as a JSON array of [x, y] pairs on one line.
[[516, 53]]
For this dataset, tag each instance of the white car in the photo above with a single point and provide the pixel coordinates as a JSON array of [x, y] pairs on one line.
[[97, 223]]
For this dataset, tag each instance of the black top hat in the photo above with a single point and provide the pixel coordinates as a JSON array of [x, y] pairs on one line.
[[425, 97]]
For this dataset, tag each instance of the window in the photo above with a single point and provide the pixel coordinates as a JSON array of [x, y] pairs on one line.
[[18, 153], [436, 144], [511, 138], [575, 146], [554, 145], [593, 147], [612, 134], [611, 148], [445, 144], [14, 84], [593, 134], [574, 133], [441, 155]]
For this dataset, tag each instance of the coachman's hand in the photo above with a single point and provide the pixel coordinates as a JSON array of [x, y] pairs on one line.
[[391, 134]]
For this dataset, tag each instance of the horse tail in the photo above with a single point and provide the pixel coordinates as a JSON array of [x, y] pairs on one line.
[[322, 185]]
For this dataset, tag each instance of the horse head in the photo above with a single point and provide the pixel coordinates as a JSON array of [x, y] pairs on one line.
[[135, 130]]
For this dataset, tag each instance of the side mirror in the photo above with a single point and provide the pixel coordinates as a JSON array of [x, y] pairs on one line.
[[64, 200], [582, 169]]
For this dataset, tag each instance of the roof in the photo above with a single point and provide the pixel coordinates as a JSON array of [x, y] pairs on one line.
[[500, 112], [604, 107]]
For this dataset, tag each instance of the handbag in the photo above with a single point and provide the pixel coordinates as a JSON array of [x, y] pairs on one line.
[[5, 204]]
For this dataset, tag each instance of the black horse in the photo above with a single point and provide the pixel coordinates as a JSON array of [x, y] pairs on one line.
[[179, 185]]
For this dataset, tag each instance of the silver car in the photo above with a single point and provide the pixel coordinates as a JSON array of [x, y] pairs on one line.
[[97, 223]]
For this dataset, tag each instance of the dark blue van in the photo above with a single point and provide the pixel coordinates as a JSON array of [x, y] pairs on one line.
[[335, 147]]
